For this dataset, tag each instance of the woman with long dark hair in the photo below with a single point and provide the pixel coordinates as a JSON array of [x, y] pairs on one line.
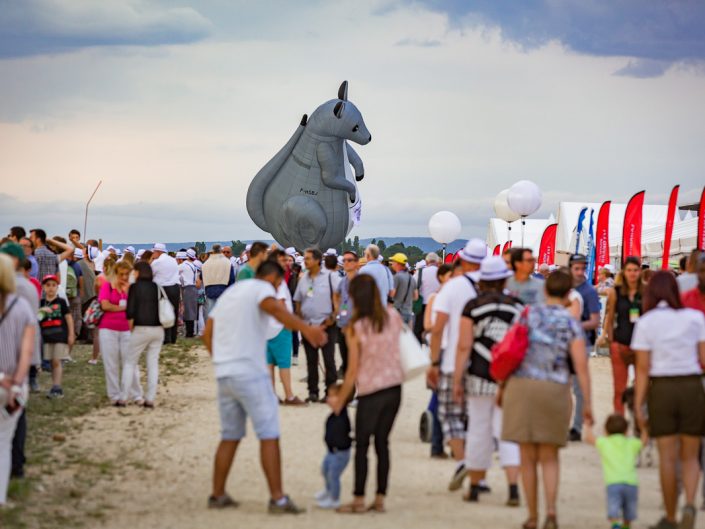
[[374, 367], [623, 311], [669, 341]]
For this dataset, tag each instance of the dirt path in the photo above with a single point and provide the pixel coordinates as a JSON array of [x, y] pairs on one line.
[[163, 468]]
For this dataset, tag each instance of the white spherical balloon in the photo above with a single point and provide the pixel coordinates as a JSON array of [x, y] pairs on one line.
[[444, 227], [524, 198], [502, 209]]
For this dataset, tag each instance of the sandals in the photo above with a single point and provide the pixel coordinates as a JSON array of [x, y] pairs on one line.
[[351, 508], [530, 524], [551, 522], [376, 507]]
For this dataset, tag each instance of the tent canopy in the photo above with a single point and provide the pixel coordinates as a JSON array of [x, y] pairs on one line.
[[683, 239]]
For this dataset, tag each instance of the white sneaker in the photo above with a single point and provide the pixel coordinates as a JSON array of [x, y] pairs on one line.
[[321, 495], [328, 503], [294, 360]]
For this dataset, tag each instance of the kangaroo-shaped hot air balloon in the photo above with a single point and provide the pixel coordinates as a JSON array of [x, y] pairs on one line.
[[307, 195]]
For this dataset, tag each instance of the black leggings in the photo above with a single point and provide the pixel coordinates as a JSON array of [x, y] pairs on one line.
[[173, 292], [375, 417]]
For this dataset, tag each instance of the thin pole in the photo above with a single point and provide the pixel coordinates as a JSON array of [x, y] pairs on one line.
[[523, 223], [85, 219], [444, 252]]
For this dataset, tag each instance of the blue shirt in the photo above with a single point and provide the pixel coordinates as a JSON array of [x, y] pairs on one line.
[[34, 271], [382, 276], [591, 305]]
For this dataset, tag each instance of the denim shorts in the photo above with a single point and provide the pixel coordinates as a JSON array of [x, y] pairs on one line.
[[622, 502], [238, 398]]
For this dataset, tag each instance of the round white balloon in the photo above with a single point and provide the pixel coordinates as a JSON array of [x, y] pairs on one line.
[[444, 227], [502, 209], [524, 198]]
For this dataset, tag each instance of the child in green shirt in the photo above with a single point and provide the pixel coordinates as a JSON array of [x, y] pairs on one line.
[[619, 455]]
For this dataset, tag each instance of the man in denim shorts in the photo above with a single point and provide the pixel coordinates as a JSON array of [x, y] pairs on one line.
[[236, 338]]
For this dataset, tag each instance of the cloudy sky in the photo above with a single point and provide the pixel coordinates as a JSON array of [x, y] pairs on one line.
[[176, 105]]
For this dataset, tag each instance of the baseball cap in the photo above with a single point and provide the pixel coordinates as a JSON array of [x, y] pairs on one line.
[[399, 258], [130, 249], [248, 247], [14, 250], [50, 277], [474, 252], [181, 255], [78, 253], [191, 254], [159, 247], [577, 258], [290, 251], [493, 268], [331, 251]]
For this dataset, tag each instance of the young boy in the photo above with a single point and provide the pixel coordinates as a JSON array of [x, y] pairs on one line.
[[339, 442], [619, 455], [56, 323]]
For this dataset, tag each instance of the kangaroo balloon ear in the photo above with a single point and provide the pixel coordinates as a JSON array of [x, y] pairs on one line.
[[304, 120], [338, 110], [343, 91]]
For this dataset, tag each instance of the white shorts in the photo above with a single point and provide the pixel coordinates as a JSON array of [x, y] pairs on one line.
[[484, 427]]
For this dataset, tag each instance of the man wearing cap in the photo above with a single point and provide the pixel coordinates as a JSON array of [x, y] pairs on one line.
[[484, 323], [166, 275], [449, 305], [525, 287], [190, 283], [23, 289], [589, 321], [218, 274], [405, 292], [76, 294], [380, 273]]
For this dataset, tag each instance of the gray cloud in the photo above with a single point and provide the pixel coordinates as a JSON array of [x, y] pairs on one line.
[[34, 27], [420, 43], [658, 33]]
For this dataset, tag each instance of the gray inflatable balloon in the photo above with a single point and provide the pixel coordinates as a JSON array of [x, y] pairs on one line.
[[306, 195]]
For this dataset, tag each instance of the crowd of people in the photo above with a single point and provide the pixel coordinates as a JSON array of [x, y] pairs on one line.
[[254, 311]]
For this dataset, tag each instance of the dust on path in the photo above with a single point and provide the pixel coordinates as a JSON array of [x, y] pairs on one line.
[[164, 459]]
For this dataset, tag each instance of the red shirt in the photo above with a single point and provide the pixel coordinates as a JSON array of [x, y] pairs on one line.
[[693, 299], [37, 285]]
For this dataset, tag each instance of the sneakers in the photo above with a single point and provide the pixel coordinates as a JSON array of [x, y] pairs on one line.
[[664, 524], [221, 502], [55, 393], [321, 495], [93, 362], [574, 435], [34, 385], [328, 503], [294, 360], [687, 517], [287, 507], [457, 480]]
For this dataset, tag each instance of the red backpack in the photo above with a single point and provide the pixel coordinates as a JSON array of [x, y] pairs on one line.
[[508, 354]]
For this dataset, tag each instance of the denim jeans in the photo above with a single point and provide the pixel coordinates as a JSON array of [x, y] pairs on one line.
[[333, 467], [622, 502], [578, 414], [437, 435]]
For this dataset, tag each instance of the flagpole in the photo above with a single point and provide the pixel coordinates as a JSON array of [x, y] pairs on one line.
[[85, 219]]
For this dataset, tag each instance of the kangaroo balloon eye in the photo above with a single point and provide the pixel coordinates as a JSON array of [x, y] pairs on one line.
[[356, 128]]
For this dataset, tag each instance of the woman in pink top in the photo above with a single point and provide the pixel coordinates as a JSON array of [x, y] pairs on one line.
[[114, 332], [374, 367]]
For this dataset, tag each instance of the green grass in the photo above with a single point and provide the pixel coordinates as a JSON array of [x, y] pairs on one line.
[[36, 503]]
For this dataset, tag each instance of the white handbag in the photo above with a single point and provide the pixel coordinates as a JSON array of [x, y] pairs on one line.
[[414, 360], [166, 310]]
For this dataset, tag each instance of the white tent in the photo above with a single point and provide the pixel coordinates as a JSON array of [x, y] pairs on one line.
[[533, 230], [683, 239], [569, 212]]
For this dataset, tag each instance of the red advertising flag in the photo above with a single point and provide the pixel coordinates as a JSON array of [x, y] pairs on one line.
[[669, 227], [497, 249], [506, 246], [547, 250], [602, 238], [449, 258], [701, 222], [631, 230]]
